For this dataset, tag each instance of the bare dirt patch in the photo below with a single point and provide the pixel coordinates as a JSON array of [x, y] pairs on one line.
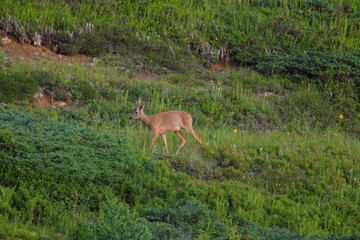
[[219, 66], [28, 52], [41, 99]]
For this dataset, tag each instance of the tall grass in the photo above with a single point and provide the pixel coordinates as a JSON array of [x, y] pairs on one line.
[[260, 27], [241, 100]]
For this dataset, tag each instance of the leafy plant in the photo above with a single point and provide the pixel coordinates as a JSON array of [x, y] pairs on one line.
[[118, 222], [16, 86]]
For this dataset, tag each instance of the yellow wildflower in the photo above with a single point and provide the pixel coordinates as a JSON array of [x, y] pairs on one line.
[[265, 94], [216, 39], [235, 130], [341, 116], [355, 178], [351, 170]]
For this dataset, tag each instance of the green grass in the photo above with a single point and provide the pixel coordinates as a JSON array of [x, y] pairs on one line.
[[242, 32], [237, 99]]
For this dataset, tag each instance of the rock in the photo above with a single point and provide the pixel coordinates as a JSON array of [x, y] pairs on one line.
[[39, 93], [24, 38], [37, 39], [5, 41]]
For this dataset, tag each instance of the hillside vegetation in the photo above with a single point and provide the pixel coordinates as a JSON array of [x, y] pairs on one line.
[[279, 124]]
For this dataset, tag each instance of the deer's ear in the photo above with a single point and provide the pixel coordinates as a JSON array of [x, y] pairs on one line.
[[143, 106], [136, 104]]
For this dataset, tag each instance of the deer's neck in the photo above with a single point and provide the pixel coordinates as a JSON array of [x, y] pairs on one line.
[[145, 119]]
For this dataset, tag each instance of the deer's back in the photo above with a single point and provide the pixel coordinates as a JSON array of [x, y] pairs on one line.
[[171, 121]]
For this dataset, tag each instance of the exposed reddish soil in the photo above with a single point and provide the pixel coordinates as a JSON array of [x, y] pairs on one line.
[[219, 66], [15, 50], [41, 99]]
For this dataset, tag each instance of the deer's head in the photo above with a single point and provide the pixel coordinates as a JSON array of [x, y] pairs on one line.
[[138, 111]]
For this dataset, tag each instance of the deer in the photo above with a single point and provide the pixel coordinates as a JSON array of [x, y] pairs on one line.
[[161, 123]]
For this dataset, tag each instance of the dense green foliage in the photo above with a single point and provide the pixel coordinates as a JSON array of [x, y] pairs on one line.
[[243, 31], [108, 163], [16, 86]]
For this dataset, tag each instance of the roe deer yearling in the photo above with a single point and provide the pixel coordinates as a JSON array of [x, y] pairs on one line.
[[160, 123]]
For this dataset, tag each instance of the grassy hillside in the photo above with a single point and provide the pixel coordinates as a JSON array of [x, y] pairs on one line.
[[279, 124], [61, 180], [258, 168]]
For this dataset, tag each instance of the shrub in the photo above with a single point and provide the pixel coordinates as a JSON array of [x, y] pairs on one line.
[[83, 90], [7, 145], [69, 150], [17, 86], [93, 44], [313, 64], [190, 218], [118, 222], [69, 43]]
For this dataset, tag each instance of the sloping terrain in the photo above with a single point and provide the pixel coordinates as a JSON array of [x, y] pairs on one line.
[[273, 88]]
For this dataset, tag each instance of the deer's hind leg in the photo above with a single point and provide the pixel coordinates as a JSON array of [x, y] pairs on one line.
[[192, 133], [183, 141]]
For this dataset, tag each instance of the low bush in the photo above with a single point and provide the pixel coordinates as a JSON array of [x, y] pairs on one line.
[[93, 44], [17, 86], [117, 222], [190, 219], [59, 147], [324, 66]]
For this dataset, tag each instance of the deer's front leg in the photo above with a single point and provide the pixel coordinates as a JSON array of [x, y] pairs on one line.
[[153, 138], [163, 136]]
